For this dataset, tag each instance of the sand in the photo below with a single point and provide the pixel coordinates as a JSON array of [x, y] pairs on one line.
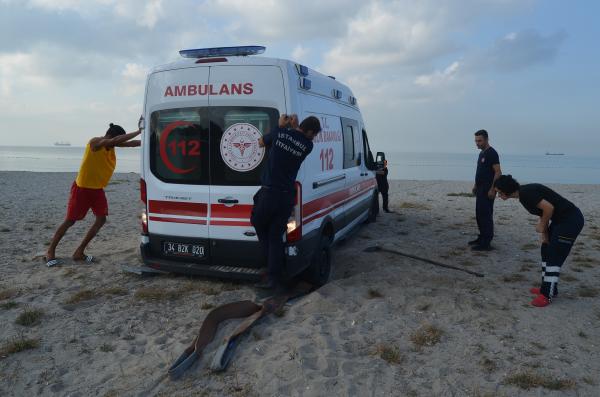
[[384, 326]]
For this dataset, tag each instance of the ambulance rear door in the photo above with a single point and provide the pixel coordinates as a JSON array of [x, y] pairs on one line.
[[177, 171], [244, 104]]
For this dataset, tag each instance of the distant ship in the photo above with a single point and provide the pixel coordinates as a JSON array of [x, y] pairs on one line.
[[62, 143], [554, 154]]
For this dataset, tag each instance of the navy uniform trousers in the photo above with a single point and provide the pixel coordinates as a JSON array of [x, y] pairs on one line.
[[384, 188], [270, 215], [561, 236], [484, 213]]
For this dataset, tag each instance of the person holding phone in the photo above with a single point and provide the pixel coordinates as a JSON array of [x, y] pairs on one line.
[[382, 184], [287, 145]]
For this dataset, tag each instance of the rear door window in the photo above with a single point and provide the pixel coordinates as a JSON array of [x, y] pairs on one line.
[[216, 145], [179, 146], [236, 158], [350, 128]]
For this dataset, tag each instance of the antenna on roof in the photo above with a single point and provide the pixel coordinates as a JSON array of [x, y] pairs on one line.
[[222, 51]]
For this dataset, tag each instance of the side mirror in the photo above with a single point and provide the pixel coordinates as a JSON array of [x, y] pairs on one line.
[[359, 159], [380, 160]]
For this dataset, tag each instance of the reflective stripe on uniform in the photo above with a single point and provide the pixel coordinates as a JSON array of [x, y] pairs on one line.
[[551, 279]]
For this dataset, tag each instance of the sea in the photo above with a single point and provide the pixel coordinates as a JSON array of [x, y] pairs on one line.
[[540, 168]]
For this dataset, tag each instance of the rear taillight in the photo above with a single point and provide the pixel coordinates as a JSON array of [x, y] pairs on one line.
[[294, 226], [144, 222], [143, 195], [144, 199]]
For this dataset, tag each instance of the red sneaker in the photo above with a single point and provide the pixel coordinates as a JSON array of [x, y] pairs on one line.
[[540, 301]]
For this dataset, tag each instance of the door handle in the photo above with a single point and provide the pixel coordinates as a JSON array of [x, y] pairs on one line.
[[228, 201], [324, 182]]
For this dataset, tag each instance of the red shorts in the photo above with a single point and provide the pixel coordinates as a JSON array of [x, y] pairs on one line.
[[82, 199]]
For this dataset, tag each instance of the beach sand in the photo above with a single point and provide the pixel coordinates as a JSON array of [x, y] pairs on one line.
[[385, 325]]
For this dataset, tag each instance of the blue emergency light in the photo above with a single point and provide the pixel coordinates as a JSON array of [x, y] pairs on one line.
[[222, 51]]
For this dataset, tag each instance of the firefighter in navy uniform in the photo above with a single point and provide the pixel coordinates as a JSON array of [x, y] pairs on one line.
[[488, 170], [559, 225], [288, 145], [382, 184]]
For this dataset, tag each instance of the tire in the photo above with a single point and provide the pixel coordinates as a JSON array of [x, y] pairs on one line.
[[374, 209], [319, 271]]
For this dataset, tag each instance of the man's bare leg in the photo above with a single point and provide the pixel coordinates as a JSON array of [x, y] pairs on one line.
[[60, 232], [79, 255]]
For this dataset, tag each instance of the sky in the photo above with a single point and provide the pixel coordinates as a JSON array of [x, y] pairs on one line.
[[427, 73]]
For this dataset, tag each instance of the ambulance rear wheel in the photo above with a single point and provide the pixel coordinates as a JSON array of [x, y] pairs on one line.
[[319, 271]]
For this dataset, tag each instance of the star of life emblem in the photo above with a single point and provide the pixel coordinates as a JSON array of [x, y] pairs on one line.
[[240, 149]]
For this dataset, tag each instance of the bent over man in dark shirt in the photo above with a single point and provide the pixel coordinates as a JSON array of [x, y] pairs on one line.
[[559, 225], [488, 170], [288, 145]]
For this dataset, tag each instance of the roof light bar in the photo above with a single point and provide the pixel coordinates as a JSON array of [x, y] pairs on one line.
[[302, 70], [352, 100], [222, 51], [337, 94]]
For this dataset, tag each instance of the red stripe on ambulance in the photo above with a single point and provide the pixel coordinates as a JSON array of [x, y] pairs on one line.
[[333, 201], [178, 220], [178, 208], [237, 211]]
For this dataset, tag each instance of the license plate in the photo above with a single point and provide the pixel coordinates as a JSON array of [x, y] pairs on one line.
[[180, 249]]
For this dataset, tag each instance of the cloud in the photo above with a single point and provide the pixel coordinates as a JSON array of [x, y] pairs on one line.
[[51, 65], [142, 12], [388, 35], [18, 72], [407, 34], [284, 19], [300, 53], [145, 13], [133, 78], [520, 50], [438, 77]]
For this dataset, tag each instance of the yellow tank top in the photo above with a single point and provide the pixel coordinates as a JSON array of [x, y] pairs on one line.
[[96, 168]]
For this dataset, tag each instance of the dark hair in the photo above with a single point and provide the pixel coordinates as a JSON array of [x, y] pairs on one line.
[[482, 133], [507, 184], [115, 130], [311, 123]]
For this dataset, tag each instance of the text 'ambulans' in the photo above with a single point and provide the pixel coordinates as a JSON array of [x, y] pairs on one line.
[[210, 89]]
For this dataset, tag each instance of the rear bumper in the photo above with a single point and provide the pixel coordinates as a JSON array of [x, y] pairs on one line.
[[231, 259]]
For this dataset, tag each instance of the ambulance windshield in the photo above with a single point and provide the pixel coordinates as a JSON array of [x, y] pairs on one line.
[[210, 145]]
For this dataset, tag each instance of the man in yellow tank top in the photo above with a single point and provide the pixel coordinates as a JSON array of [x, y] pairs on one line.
[[97, 166]]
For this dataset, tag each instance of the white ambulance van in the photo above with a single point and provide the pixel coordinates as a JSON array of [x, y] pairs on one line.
[[201, 164]]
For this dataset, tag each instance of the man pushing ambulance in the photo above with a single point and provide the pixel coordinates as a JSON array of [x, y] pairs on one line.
[[87, 191], [288, 146]]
